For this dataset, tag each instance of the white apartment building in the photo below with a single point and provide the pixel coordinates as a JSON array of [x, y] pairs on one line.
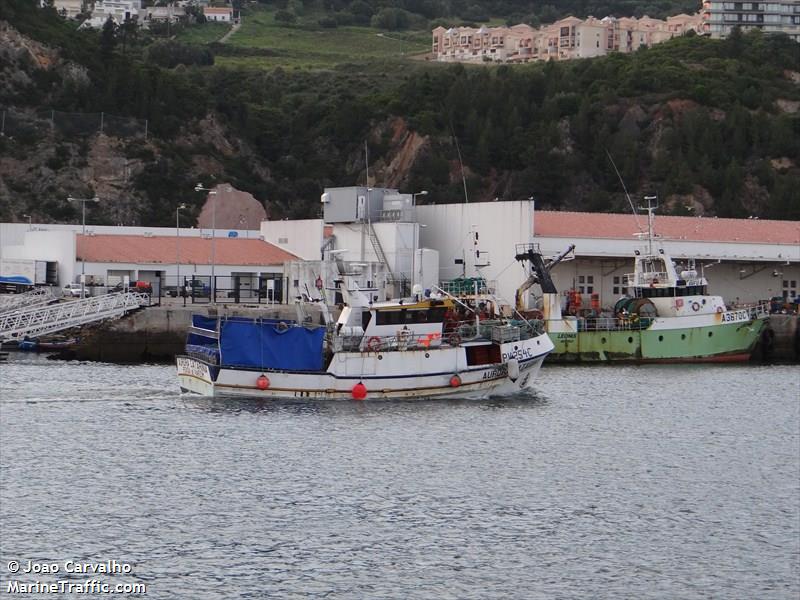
[[69, 9], [222, 14], [171, 13], [118, 10], [719, 18]]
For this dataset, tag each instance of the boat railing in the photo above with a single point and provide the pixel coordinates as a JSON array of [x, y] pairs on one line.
[[756, 311], [648, 278], [454, 334], [468, 286]]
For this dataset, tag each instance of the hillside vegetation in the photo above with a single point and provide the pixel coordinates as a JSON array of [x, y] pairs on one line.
[[710, 126]]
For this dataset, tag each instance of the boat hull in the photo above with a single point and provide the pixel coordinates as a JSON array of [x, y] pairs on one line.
[[663, 342], [382, 380]]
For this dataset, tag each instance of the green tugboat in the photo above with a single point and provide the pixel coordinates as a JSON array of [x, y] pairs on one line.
[[668, 317]]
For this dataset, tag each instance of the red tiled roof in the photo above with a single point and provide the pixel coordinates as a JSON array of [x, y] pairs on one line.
[[699, 229], [139, 249]]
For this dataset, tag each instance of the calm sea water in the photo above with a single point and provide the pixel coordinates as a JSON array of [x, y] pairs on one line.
[[611, 482]]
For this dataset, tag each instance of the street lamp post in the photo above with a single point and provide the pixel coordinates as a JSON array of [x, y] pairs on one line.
[[199, 188], [30, 221], [178, 210], [416, 229], [83, 202]]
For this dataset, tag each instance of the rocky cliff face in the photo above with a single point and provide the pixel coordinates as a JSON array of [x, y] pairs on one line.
[[20, 60], [48, 155]]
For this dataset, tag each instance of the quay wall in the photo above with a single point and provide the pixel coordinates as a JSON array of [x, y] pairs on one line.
[[158, 333], [784, 344]]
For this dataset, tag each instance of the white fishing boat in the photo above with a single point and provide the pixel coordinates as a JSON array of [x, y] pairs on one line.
[[432, 347]]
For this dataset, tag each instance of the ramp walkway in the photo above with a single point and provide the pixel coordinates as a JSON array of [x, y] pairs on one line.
[[42, 320], [29, 299]]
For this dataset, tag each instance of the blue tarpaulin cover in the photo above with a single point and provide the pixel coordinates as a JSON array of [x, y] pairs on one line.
[[202, 322], [264, 344]]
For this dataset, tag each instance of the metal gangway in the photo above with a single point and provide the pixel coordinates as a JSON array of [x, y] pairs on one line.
[[29, 299], [42, 320]]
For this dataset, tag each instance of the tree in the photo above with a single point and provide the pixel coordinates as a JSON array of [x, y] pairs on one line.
[[128, 29], [285, 17], [392, 19], [108, 38]]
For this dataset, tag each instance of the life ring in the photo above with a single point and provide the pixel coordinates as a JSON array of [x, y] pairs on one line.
[[374, 343], [454, 339], [695, 306], [719, 309], [281, 327]]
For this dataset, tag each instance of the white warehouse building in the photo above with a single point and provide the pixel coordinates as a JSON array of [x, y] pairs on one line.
[[390, 245]]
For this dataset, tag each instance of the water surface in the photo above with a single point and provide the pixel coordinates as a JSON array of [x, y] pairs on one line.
[[609, 482]]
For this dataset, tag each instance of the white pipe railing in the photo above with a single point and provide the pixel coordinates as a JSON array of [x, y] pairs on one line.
[[29, 299], [42, 320]]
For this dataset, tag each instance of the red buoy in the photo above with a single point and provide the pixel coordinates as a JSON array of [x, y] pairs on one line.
[[262, 382], [359, 391], [455, 381]]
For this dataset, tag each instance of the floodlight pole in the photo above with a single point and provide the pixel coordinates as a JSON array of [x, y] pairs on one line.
[[199, 188], [83, 202]]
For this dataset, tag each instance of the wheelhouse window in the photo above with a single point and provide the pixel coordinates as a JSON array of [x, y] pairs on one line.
[[410, 316]]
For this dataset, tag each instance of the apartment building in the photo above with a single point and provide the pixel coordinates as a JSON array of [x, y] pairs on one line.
[[566, 39], [118, 11], [223, 14], [720, 18], [69, 9]]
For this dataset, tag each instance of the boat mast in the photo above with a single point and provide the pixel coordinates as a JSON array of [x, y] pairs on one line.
[[366, 207], [650, 208]]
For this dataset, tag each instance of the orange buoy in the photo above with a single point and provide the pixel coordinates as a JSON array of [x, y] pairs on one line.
[[359, 391], [262, 382], [455, 381]]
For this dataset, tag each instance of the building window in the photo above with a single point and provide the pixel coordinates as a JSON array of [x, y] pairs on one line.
[[789, 288], [296, 283]]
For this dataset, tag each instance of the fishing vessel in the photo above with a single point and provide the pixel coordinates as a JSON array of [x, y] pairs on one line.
[[428, 346], [667, 315]]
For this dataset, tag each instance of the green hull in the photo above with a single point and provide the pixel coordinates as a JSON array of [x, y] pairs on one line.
[[732, 342]]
